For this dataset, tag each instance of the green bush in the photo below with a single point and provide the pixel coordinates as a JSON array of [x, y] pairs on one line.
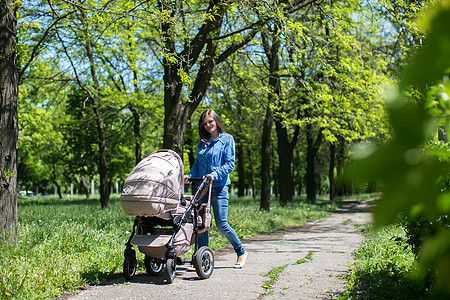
[[385, 268]]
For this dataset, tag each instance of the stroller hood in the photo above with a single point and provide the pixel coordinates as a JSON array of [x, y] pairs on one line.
[[155, 186]]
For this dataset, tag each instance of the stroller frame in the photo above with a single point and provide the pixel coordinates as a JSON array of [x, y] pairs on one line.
[[147, 230]]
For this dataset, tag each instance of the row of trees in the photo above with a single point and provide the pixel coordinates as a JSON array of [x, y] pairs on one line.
[[298, 83]]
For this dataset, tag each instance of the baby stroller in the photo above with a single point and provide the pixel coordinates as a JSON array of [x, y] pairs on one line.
[[166, 222]]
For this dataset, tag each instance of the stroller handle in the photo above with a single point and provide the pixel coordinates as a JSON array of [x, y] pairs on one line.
[[201, 179], [196, 179], [204, 182]]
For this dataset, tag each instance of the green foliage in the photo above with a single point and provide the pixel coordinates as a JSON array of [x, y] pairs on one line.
[[384, 268], [42, 147], [419, 228], [55, 63], [413, 166]]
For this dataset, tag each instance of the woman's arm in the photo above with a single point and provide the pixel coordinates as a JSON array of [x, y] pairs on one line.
[[228, 154]]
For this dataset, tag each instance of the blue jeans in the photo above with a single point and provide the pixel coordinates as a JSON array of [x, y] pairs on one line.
[[219, 203]]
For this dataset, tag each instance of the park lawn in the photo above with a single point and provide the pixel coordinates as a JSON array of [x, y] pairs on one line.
[[384, 267], [67, 243]]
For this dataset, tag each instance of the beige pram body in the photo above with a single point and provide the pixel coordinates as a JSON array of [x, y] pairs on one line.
[[167, 222]]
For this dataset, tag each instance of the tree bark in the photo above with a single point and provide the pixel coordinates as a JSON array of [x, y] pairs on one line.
[[101, 138], [312, 148], [252, 172], [331, 172], [8, 121], [177, 111], [285, 147], [285, 155], [84, 186], [136, 123], [137, 133], [240, 168], [189, 144], [265, 160]]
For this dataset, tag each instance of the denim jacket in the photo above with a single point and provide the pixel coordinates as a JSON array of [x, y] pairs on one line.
[[215, 157]]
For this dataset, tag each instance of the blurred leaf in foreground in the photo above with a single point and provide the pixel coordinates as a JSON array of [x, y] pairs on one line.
[[414, 167]]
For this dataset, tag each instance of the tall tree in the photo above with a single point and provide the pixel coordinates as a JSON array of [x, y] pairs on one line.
[[208, 47], [265, 159], [271, 45], [236, 91], [8, 119], [178, 64]]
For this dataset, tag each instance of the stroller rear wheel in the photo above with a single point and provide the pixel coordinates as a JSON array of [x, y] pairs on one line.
[[129, 264], [153, 266], [170, 270], [204, 262]]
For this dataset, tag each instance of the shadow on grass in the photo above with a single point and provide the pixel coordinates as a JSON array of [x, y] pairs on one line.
[[386, 284]]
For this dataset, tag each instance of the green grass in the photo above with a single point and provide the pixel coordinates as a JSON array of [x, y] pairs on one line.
[[307, 258], [384, 268], [273, 275], [66, 243]]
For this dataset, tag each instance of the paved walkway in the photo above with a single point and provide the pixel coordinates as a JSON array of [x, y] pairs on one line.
[[331, 241]]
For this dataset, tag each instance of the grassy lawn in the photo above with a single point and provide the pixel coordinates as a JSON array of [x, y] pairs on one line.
[[384, 267], [66, 243]]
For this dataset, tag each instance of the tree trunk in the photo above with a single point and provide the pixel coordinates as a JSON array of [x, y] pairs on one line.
[[240, 167], [285, 156], [103, 165], [55, 181], [101, 138], [176, 116], [58, 189], [265, 160], [331, 172], [310, 177], [312, 148], [252, 172], [137, 133], [84, 186], [340, 184], [8, 121], [285, 161], [298, 175], [176, 110], [189, 144]]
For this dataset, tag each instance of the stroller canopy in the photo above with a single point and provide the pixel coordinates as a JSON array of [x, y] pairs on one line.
[[158, 178]]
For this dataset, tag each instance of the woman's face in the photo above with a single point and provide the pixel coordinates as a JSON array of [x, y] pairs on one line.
[[210, 125]]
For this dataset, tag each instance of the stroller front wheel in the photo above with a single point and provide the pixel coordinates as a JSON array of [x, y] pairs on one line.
[[204, 262], [170, 270], [129, 265]]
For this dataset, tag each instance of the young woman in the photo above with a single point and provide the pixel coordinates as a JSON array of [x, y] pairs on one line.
[[215, 159]]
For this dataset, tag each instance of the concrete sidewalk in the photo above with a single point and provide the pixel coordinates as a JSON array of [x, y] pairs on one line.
[[331, 241]]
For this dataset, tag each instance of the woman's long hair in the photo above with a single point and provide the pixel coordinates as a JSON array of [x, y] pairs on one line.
[[205, 135]]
